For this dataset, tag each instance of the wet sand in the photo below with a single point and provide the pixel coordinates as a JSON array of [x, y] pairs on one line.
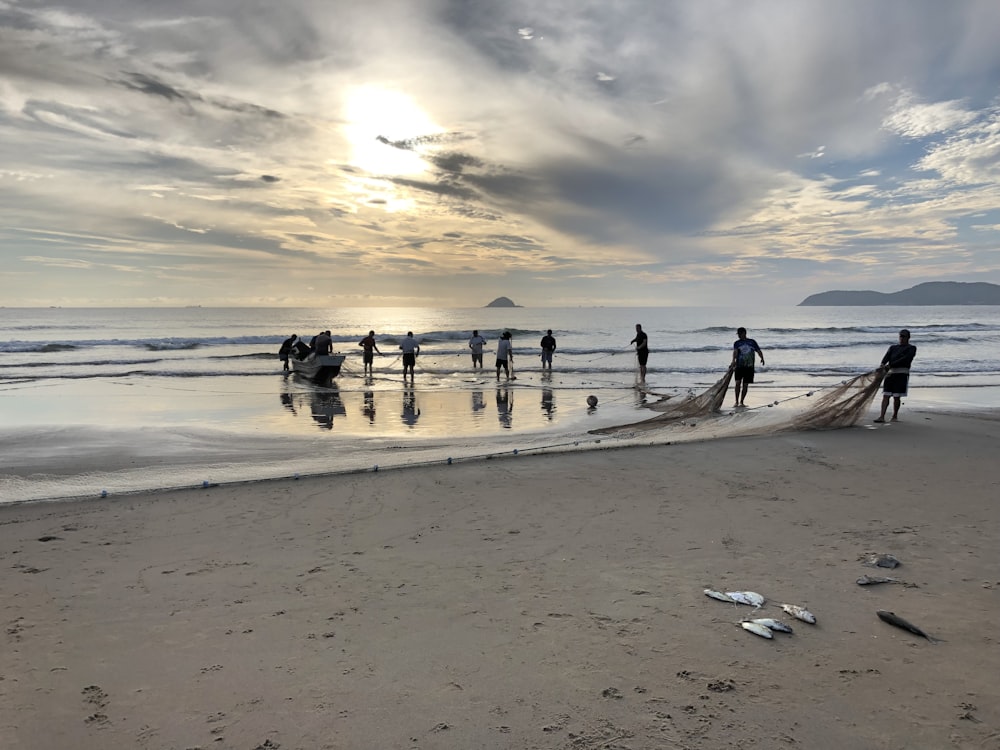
[[531, 601]]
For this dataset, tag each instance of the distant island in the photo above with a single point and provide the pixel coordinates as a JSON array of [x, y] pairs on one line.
[[502, 302], [929, 293]]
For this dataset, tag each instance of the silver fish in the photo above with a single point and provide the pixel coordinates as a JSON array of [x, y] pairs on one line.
[[772, 624], [757, 629], [750, 598], [718, 595], [800, 613]]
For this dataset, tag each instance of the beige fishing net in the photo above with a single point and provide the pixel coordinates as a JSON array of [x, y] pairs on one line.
[[702, 404], [843, 405], [840, 406]]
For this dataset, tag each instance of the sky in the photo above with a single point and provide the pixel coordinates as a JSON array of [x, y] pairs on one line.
[[337, 153]]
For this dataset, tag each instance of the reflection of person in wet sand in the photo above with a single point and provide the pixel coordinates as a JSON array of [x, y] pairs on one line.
[[548, 402], [478, 401], [325, 406], [288, 402], [369, 408], [411, 412], [505, 407]]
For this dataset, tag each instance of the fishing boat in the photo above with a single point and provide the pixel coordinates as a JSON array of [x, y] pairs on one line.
[[318, 368]]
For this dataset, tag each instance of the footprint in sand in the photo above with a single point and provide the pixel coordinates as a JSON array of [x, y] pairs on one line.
[[94, 695]]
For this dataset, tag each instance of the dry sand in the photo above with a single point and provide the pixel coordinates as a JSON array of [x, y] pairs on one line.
[[524, 602]]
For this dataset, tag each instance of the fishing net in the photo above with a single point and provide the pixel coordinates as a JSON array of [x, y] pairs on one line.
[[703, 403], [697, 405], [841, 406]]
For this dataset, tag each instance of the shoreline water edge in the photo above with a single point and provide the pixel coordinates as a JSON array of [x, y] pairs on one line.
[[103, 401]]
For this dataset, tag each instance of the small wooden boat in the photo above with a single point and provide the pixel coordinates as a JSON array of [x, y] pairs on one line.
[[318, 368]]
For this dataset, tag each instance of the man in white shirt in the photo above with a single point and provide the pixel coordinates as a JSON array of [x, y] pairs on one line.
[[410, 349], [505, 352], [476, 345]]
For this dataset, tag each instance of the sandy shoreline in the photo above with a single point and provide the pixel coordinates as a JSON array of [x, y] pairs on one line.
[[536, 601]]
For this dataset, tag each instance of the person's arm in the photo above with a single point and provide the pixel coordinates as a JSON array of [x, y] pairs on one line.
[[761, 355], [885, 360]]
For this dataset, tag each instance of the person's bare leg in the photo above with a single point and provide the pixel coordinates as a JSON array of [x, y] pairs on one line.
[[736, 393], [895, 408], [885, 405]]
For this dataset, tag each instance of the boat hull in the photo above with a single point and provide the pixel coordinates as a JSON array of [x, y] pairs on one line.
[[318, 368]]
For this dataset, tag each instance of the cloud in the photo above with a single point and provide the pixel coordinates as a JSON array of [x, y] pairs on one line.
[[657, 147]]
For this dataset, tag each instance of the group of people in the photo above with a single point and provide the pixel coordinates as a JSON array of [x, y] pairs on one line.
[[894, 367], [409, 346], [293, 346], [895, 364], [505, 352]]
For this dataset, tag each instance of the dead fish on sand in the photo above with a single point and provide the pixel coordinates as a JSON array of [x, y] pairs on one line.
[[718, 595], [800, 613], [750, 598], [875, 560], [757, 629], [772, 624], [893, 619], [872, 580]]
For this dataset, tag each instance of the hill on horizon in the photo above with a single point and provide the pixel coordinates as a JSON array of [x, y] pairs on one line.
[[502, 302], [926, 294]]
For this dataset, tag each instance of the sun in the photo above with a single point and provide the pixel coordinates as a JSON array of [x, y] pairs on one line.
[[373, 113]]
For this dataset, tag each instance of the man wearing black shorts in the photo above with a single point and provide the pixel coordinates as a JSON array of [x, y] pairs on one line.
[[896, 363], [744, 350], [368, 353], [641, 350], [410, 349]]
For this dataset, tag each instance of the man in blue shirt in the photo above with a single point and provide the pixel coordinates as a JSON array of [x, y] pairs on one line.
[[744, 351]]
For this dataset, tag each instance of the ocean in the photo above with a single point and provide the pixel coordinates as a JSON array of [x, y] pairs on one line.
[[122, 400]]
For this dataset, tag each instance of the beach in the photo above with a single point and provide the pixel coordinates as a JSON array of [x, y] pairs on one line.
[[523, 601]]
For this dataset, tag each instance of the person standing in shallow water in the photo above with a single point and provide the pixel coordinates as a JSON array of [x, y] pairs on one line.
[[410, 349], [548, 345], [286, 349], [744, 351], [505, 354], [896, 363], [641, 342], [476, 344], [368, 353]]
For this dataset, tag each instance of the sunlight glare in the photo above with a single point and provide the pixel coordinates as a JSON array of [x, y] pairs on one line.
[[371, 112]]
